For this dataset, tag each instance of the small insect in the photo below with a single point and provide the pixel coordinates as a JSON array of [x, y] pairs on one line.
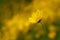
[[39, 21]]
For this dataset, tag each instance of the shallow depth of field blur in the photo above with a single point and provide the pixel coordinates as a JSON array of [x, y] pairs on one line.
[[29, 19]]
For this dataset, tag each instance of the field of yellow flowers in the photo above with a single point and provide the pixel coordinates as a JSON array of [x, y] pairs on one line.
[[29, 19]]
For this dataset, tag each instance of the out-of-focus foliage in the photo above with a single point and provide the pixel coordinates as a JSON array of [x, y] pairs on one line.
[[29, 19]]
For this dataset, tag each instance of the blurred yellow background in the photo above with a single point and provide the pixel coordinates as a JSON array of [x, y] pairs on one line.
[[29, 19]]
